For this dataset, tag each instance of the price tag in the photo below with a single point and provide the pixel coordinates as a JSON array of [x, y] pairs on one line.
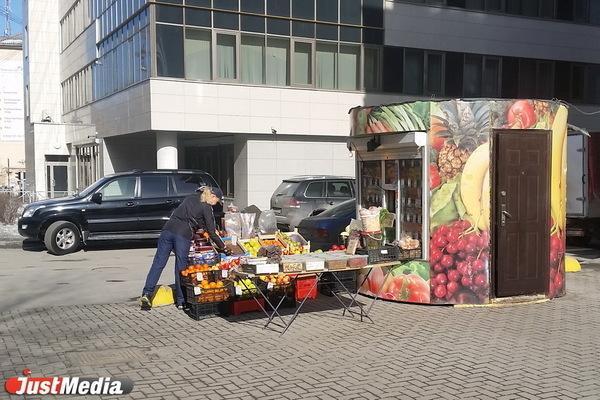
[[199, 277], [197, 290], [238, 291], [224, 273], [384, 251], [269, 286]]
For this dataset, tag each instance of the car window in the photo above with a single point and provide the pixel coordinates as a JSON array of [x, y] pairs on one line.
[[154, 186], [315, 189], [119, 189], [347, 208], [287, 188], [339, 189], [188, 183]]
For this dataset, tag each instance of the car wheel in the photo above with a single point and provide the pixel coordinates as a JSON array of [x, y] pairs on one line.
[[62, 237]]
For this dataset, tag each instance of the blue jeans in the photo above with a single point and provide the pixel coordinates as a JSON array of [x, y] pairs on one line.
[[168, 242]]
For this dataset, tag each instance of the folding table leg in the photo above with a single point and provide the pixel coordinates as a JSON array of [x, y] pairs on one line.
[[385, 278], [318, 278], [353, 297]]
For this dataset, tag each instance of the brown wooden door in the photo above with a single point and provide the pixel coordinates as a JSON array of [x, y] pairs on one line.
[[521, 190]]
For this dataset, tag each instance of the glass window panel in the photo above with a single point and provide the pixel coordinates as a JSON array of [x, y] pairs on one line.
[[339, 189], [169, 50], [491, 77], [252, 23], [327, 10], [593, 85], [373, 13], [595, 12], [170, 14], [456, 3], [329, 32], [393, 67], [350, 12], [278, 26], [545, 80], [303, 29], [253, 6], [304, 9], [302, 64], [226, 58], [277, 61], [413, 72], [225, 20], [197, 17], [562, 72], [493, 5], [349, 62], [513, 7], [252, 57], [348, 34], [136, 57], [472, 76], [226, 4], [154, 186], [373, 36], [527, 71], [198, 54], [577, 82], [581, 10], [372, 68], [530, 8], [326, 65], [144, 64], [510, 77], [198, 3], [280, 8], [547, 9], [474, 4], [434, 74], [120, 188], [564, 10], [315, 189]]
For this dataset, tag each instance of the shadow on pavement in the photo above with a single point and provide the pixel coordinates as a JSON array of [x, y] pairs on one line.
[[37, 246]]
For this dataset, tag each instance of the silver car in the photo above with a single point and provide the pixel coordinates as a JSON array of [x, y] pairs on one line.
[[299, 197]]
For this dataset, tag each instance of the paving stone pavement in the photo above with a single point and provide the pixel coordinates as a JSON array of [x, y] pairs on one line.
[[537, 351]]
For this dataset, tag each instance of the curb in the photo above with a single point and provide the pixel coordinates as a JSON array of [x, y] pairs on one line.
[[11, 244]]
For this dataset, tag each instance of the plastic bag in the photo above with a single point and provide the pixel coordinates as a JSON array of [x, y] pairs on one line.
[[267, 222], [247, 220], [163, 296], [233, 224]]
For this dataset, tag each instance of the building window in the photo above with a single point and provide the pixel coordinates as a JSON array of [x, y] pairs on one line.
[[277, 61], [198, 54], [302, 64], [372, 68], [169, 51], [226, 56], [252, 55], [434, 71], [350, 12], [349, 67], [326, 65], [303, 9], [327, 10], [413, 71], [491, 77]]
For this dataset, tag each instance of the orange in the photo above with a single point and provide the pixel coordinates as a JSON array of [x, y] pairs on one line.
[[220, 284], [212, 285]]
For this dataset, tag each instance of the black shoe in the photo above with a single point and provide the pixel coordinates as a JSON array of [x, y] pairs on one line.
[[145, 303]]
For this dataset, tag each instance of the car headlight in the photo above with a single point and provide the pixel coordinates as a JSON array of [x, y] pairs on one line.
[[31, 210]]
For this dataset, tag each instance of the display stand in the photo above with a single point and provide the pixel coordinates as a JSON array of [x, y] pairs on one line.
[[363, 313]]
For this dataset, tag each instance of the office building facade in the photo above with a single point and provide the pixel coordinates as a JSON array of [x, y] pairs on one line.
[[255, 91]]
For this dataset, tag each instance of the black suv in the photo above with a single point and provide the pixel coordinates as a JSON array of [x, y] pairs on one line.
[[129, 205]]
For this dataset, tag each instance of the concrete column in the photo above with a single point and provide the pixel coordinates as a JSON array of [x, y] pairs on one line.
[[166, 150]]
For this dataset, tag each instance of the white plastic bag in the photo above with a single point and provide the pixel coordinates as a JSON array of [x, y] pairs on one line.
[[233, 224], [267, 222], [247, 220]]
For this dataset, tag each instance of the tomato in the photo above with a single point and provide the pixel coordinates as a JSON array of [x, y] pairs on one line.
[[335, 247], [521, 115], [375, 280], [409, 287], [434, 177]]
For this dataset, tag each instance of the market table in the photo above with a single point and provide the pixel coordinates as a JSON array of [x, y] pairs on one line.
[[318, 275]]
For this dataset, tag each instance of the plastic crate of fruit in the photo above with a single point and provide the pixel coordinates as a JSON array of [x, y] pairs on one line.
[[200, 311], [195, 294]]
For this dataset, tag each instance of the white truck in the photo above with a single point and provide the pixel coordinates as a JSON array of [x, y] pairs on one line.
[[583, 188]]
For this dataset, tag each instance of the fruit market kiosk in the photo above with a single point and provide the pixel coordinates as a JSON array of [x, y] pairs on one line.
[[468, 195]]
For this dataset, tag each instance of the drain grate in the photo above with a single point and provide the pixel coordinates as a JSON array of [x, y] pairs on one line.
[[104, 357]]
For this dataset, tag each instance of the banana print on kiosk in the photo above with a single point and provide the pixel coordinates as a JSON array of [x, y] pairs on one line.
[[460, 203]]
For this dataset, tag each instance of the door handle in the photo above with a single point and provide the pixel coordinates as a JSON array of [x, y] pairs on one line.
[[169, 201], [503, 214], [331, 203], [130, 204]]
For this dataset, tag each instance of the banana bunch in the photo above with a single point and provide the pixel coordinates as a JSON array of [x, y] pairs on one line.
[[475, 187], [558, 182]]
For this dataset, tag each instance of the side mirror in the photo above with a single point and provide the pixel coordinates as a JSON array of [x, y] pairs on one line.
[[97, 198]]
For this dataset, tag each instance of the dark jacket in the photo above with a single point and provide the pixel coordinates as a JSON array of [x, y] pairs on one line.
[[193, 214]]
